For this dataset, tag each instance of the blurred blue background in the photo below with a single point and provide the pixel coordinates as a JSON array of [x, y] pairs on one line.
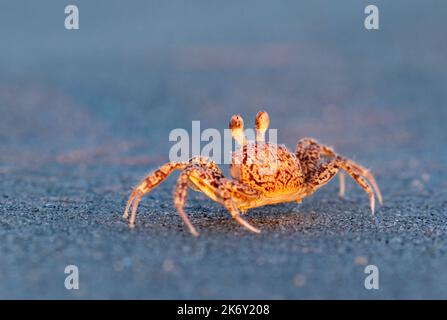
[[151, 66]]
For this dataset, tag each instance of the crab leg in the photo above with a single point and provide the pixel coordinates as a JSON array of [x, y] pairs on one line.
[[180, 193], [229, 204], [369, 177], [346, 166], [356, 167], [146, 185], [327, 171], [310, 151], [217, 188], [342, 183]]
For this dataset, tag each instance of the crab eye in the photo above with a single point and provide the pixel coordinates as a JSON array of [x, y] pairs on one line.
[[236, 122], [262, 120]]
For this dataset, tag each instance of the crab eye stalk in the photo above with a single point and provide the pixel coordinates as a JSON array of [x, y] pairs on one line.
[[237, 129], [262, 124]]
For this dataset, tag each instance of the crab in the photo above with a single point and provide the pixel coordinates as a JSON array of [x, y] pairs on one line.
[[262, 173]]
